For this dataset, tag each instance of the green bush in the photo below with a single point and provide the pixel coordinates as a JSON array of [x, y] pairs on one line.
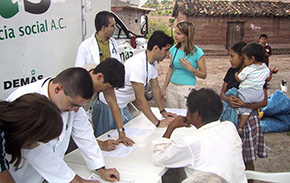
[[171, 21], [164, 1], [161, 25]]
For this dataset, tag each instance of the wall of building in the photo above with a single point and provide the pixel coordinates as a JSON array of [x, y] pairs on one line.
[[213, 30], [129, 17]]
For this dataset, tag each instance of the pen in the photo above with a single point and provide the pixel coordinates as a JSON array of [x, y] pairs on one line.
[[109, 137]]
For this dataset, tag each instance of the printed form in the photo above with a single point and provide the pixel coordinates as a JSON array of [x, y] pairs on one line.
[[98, 178]]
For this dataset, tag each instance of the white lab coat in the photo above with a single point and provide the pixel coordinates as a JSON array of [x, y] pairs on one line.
[[46, 161], [88, 51]]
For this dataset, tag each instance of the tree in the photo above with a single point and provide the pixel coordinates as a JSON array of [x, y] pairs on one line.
[[159, 24], [164, 1]]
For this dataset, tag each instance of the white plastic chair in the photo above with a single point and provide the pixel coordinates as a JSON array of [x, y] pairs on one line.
[[277, 177]]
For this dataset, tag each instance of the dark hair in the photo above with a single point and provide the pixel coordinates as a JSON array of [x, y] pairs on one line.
[[254, 50], [75, 81], [160, 39], [238, 47], [28, 119], [102, 19], [113, 71], [263, 35], [206, 102]]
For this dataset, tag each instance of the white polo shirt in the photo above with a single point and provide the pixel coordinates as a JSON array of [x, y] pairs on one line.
[[135, 71]]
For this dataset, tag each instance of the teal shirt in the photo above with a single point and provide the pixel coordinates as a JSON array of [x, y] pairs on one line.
[[181, 75]]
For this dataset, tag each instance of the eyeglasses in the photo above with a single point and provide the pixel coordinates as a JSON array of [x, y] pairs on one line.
[[71, 103]]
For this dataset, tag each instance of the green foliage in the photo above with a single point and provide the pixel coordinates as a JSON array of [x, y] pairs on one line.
[[162, 12], [171, 21], [160, 25], [150, 5], [163, 8], [164, 1]]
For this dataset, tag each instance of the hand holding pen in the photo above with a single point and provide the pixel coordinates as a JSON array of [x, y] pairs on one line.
[[108, 145]]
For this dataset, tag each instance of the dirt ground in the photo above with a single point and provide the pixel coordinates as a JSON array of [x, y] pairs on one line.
[[278, 144]]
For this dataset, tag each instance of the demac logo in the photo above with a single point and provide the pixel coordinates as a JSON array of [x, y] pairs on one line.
[[9, 9]]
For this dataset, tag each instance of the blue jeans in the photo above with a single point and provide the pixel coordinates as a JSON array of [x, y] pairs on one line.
[[103, 120]]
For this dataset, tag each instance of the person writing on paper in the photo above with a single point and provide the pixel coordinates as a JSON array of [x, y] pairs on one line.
[[69, 90], [139, 71], [96, 49], [24, 123], [106, 76], [214, 147]]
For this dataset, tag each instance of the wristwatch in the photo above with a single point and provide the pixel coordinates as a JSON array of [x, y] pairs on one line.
[[103, 167], [121, 129], [163, 110], [158, 123]]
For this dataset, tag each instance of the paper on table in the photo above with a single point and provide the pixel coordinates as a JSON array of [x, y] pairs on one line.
[[181, 112], [133, 132], [98, 178], [121, 151]]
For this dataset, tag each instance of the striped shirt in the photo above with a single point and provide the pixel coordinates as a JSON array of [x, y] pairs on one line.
[[254, 76]]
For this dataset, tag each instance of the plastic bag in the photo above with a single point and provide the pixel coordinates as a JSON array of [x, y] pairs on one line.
[[276, 113]]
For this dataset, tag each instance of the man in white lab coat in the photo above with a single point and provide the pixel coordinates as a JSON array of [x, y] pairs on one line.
[[214, 147], [100, 46], [69, 90]]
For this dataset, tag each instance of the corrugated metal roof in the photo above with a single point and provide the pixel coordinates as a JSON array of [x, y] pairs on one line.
[[231, 8]]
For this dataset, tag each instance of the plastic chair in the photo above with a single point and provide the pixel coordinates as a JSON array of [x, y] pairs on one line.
[[277, 177]]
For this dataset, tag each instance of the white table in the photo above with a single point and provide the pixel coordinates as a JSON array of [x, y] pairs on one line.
[[84, 172], [139, 161]]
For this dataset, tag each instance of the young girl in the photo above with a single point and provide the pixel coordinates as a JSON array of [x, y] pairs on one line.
[[252, 138], [30, 119], [187, 63]]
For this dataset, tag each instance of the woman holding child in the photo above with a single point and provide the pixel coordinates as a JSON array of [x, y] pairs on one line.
[[251, 132]]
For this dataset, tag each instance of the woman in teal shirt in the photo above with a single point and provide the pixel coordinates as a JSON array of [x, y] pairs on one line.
[[187, 63]]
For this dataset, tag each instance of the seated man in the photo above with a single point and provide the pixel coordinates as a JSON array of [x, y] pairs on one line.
[[214, 147]]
